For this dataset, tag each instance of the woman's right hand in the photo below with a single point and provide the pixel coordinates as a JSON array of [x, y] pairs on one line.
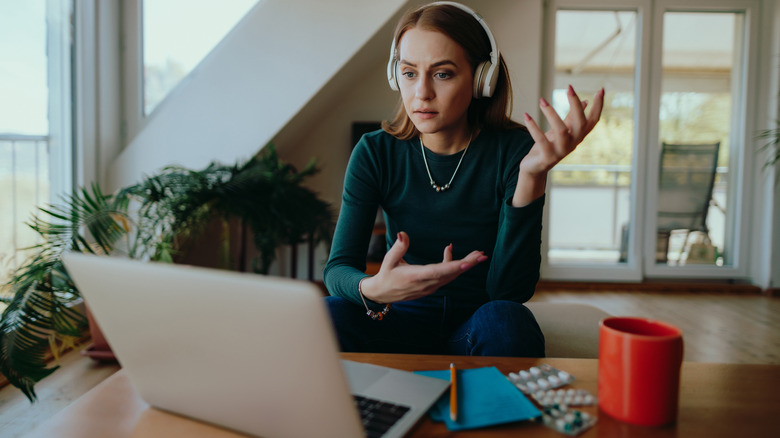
[[399, 281]]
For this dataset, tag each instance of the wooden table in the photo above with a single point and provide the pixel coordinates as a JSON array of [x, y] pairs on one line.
[[716, 400]]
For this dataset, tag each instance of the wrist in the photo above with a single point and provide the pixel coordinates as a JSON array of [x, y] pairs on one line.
[[530, 187], [365, 289], [377, 316]]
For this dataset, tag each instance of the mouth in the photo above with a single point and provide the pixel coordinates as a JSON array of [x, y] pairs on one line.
[[425, 113]]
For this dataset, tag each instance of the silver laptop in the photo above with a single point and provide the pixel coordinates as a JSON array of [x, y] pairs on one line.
[[247, 352]]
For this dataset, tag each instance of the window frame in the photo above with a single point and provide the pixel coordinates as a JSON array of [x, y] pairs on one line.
[[645, 159]]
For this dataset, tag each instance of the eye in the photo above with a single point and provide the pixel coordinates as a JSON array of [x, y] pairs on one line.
[[442, 75], [408, 74]]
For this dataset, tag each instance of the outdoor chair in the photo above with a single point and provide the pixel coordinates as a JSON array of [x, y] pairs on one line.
[[686, 180]]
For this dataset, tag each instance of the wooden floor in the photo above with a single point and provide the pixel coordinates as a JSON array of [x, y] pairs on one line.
[[717, 327]]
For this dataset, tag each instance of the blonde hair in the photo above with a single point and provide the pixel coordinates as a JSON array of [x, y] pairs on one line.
[[461, 27]]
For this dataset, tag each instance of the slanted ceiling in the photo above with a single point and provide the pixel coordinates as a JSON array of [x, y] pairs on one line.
[[280, 56]]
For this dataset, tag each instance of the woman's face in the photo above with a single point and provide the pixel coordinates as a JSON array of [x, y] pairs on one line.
[[435, 80]]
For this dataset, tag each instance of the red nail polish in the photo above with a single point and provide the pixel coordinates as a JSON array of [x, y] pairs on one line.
[[571, 90], [543, 102], [526, 117]]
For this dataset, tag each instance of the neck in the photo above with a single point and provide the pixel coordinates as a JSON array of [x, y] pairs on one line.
[[446, 143]]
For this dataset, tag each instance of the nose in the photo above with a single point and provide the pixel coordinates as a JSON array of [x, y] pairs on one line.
[[423, 89]]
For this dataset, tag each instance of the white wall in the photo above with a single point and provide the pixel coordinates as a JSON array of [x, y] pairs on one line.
[[279, 56]]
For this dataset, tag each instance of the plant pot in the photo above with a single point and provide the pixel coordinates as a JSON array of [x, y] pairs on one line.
[[99, 350]]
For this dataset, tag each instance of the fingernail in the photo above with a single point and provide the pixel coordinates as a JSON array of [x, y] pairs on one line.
[[482, 258], [399, 237], [571, 90], [543, 102], [526, 117], [602, 91]]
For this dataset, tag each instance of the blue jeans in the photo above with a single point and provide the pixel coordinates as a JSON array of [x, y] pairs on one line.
[[439, 325]]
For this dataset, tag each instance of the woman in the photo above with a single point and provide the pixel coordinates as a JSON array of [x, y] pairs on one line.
[[462, 190]]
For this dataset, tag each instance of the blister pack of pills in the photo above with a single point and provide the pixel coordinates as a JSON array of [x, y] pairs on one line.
[[567, 421], [565, 397], [541, 378]]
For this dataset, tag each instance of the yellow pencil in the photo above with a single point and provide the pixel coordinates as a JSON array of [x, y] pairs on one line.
[[453, 392]]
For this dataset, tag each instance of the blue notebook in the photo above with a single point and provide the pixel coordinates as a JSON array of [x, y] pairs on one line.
[[485, 398]]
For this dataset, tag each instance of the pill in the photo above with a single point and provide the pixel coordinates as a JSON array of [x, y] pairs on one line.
[[535, 371]]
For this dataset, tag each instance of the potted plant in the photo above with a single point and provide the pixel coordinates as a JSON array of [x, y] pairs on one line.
[[156, 219], [773, 145]]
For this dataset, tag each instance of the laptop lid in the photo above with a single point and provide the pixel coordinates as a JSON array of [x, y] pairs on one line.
[[251, 353]]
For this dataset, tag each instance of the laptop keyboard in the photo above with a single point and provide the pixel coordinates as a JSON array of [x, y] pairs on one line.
[[378, 416]]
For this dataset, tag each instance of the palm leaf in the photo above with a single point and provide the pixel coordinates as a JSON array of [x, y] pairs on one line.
[[43, 293], [773, 146]]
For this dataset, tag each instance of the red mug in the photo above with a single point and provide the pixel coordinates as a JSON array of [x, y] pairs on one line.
[[639, 370]]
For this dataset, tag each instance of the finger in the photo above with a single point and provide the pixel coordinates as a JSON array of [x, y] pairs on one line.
[[559, 134], [556, 123], [396, 252], [444, 272], [576, 116], [598, 106], [473, 259], [534, 130], [447, 253]]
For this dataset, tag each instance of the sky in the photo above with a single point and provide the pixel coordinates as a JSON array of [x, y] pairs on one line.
[[23, 67]]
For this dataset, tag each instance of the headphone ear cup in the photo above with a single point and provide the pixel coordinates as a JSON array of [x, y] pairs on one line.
[[479, 78], [392, 77]]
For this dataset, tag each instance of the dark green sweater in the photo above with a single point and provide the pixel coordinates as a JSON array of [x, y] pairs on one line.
[[474, 214]]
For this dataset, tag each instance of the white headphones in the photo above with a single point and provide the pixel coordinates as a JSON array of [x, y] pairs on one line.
[[486, 74]]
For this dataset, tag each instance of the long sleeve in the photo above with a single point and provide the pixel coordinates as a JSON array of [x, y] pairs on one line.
[[514, 270], [360, 200]]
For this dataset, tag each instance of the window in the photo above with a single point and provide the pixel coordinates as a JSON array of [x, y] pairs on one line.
[[675, 72], [164, 42], [34, 127]]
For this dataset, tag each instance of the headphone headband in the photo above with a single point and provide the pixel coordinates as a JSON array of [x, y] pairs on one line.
[[485, 75]]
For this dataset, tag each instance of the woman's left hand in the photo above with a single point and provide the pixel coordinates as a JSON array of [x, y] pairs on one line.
[[554, 145]]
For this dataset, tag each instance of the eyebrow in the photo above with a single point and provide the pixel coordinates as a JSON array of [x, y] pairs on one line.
[[435, 64]]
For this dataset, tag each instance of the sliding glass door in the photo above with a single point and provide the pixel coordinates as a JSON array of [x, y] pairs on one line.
[[676, 80]]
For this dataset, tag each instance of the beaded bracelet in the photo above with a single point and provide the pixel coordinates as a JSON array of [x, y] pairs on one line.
[[378, 316]]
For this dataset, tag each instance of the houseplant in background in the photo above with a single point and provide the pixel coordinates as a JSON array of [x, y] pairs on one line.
[[157, 219], [773, 145]]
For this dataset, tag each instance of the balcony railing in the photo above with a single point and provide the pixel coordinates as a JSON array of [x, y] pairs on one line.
[[590, 205], [24, 186]]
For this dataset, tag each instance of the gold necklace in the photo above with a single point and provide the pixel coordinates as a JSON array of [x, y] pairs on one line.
[[435, 186]]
